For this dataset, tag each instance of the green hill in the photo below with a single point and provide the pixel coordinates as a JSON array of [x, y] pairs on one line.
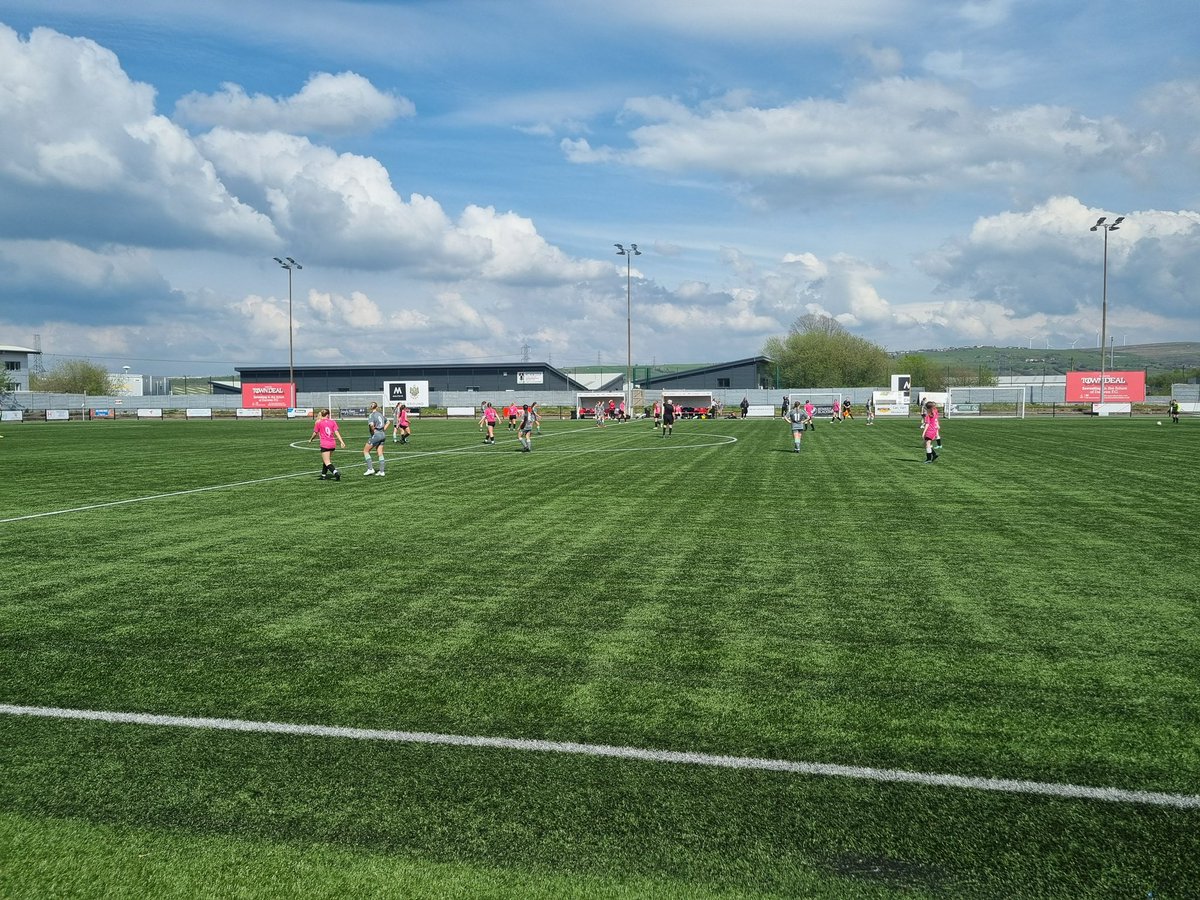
[[1004, 361]]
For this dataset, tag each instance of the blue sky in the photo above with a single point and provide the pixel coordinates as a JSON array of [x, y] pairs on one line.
[[453, 175]]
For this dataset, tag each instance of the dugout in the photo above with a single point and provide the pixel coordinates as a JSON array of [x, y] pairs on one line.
[[690, 404], [586, 402]]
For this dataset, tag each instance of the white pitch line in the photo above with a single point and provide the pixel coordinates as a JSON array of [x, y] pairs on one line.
[[860, 773], [199, 490], [298, 446]]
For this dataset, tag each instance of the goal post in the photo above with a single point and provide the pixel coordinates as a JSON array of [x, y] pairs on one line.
[[354, 404], [823, 401], [986, 402]]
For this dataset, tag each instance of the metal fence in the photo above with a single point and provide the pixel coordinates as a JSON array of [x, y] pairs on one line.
[[77, 404]]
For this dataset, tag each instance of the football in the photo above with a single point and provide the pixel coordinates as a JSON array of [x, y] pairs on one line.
[[1158, 423]]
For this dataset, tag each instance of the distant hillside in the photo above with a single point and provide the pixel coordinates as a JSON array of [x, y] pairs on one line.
[[1002, 361]]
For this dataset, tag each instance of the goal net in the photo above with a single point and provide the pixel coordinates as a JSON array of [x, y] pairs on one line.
[[351, 404], [824, 401], [986, 402]]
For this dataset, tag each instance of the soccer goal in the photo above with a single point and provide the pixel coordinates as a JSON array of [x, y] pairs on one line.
[[349, 404], [986, 402], [824, 401]]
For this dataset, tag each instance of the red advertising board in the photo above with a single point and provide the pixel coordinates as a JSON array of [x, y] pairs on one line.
[[268, 396], [1119, 387]]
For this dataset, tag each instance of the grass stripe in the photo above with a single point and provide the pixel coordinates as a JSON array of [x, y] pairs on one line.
[[861, 773]]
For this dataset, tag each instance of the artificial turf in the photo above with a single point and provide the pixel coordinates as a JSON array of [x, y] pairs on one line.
[[1026, 607]]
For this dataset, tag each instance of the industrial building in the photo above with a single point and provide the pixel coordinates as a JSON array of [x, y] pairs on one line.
[[744, 374]]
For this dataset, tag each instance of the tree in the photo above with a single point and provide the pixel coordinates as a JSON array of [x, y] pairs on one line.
[[818, 351], [75, 376], [931, 376], [1160, 383]]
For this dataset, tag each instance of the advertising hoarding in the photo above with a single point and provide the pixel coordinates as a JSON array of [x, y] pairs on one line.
[[279, 395], [1119, 387], [413, 394]]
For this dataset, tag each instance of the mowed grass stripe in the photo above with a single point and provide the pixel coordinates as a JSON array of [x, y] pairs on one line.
[[1025, 608], [1002, 785]]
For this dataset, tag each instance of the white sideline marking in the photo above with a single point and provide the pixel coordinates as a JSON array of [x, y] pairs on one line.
[[305, 445], [1003, 785], [199, 490]]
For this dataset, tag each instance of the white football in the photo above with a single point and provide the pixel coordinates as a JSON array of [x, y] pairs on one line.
[[1158, 423]]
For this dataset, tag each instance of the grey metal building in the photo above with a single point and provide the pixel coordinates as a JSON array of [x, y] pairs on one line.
[[481, 377], [752, 373], [17, 362]]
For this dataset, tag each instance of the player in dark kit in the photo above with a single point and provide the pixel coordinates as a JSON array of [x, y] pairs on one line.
[[668, 417]]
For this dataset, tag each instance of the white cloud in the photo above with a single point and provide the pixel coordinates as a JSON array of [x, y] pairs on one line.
[[342, 208], [986, 13], [84, 154], [61, 279], [764, 19], [1044, 266], [988, 72], [889, 135], [882, 60], [345, 103], [357, 311]]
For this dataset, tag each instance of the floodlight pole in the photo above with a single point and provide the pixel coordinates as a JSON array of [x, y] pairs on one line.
[[629, 255], [289, 264], [1101, 226]]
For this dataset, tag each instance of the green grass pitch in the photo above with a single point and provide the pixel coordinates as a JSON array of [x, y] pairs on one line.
[[1027, 607]]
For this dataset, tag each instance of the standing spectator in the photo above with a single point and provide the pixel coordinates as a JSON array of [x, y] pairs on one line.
[[327, 430], [745, 407], [376, 440]]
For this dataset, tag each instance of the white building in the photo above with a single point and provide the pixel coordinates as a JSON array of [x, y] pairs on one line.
[[16, 364]]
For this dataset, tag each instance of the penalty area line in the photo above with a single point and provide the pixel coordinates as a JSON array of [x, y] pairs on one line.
[[832, 770]]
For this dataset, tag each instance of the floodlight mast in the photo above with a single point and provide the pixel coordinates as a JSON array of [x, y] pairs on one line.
[[288, 263], [629, 255], [1101, 226]]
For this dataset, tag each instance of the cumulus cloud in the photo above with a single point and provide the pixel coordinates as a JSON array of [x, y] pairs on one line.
[[86, 158], [1044, 264], [57, 279], [346, 103], [892, 135], [342, 208], [356, 311]]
